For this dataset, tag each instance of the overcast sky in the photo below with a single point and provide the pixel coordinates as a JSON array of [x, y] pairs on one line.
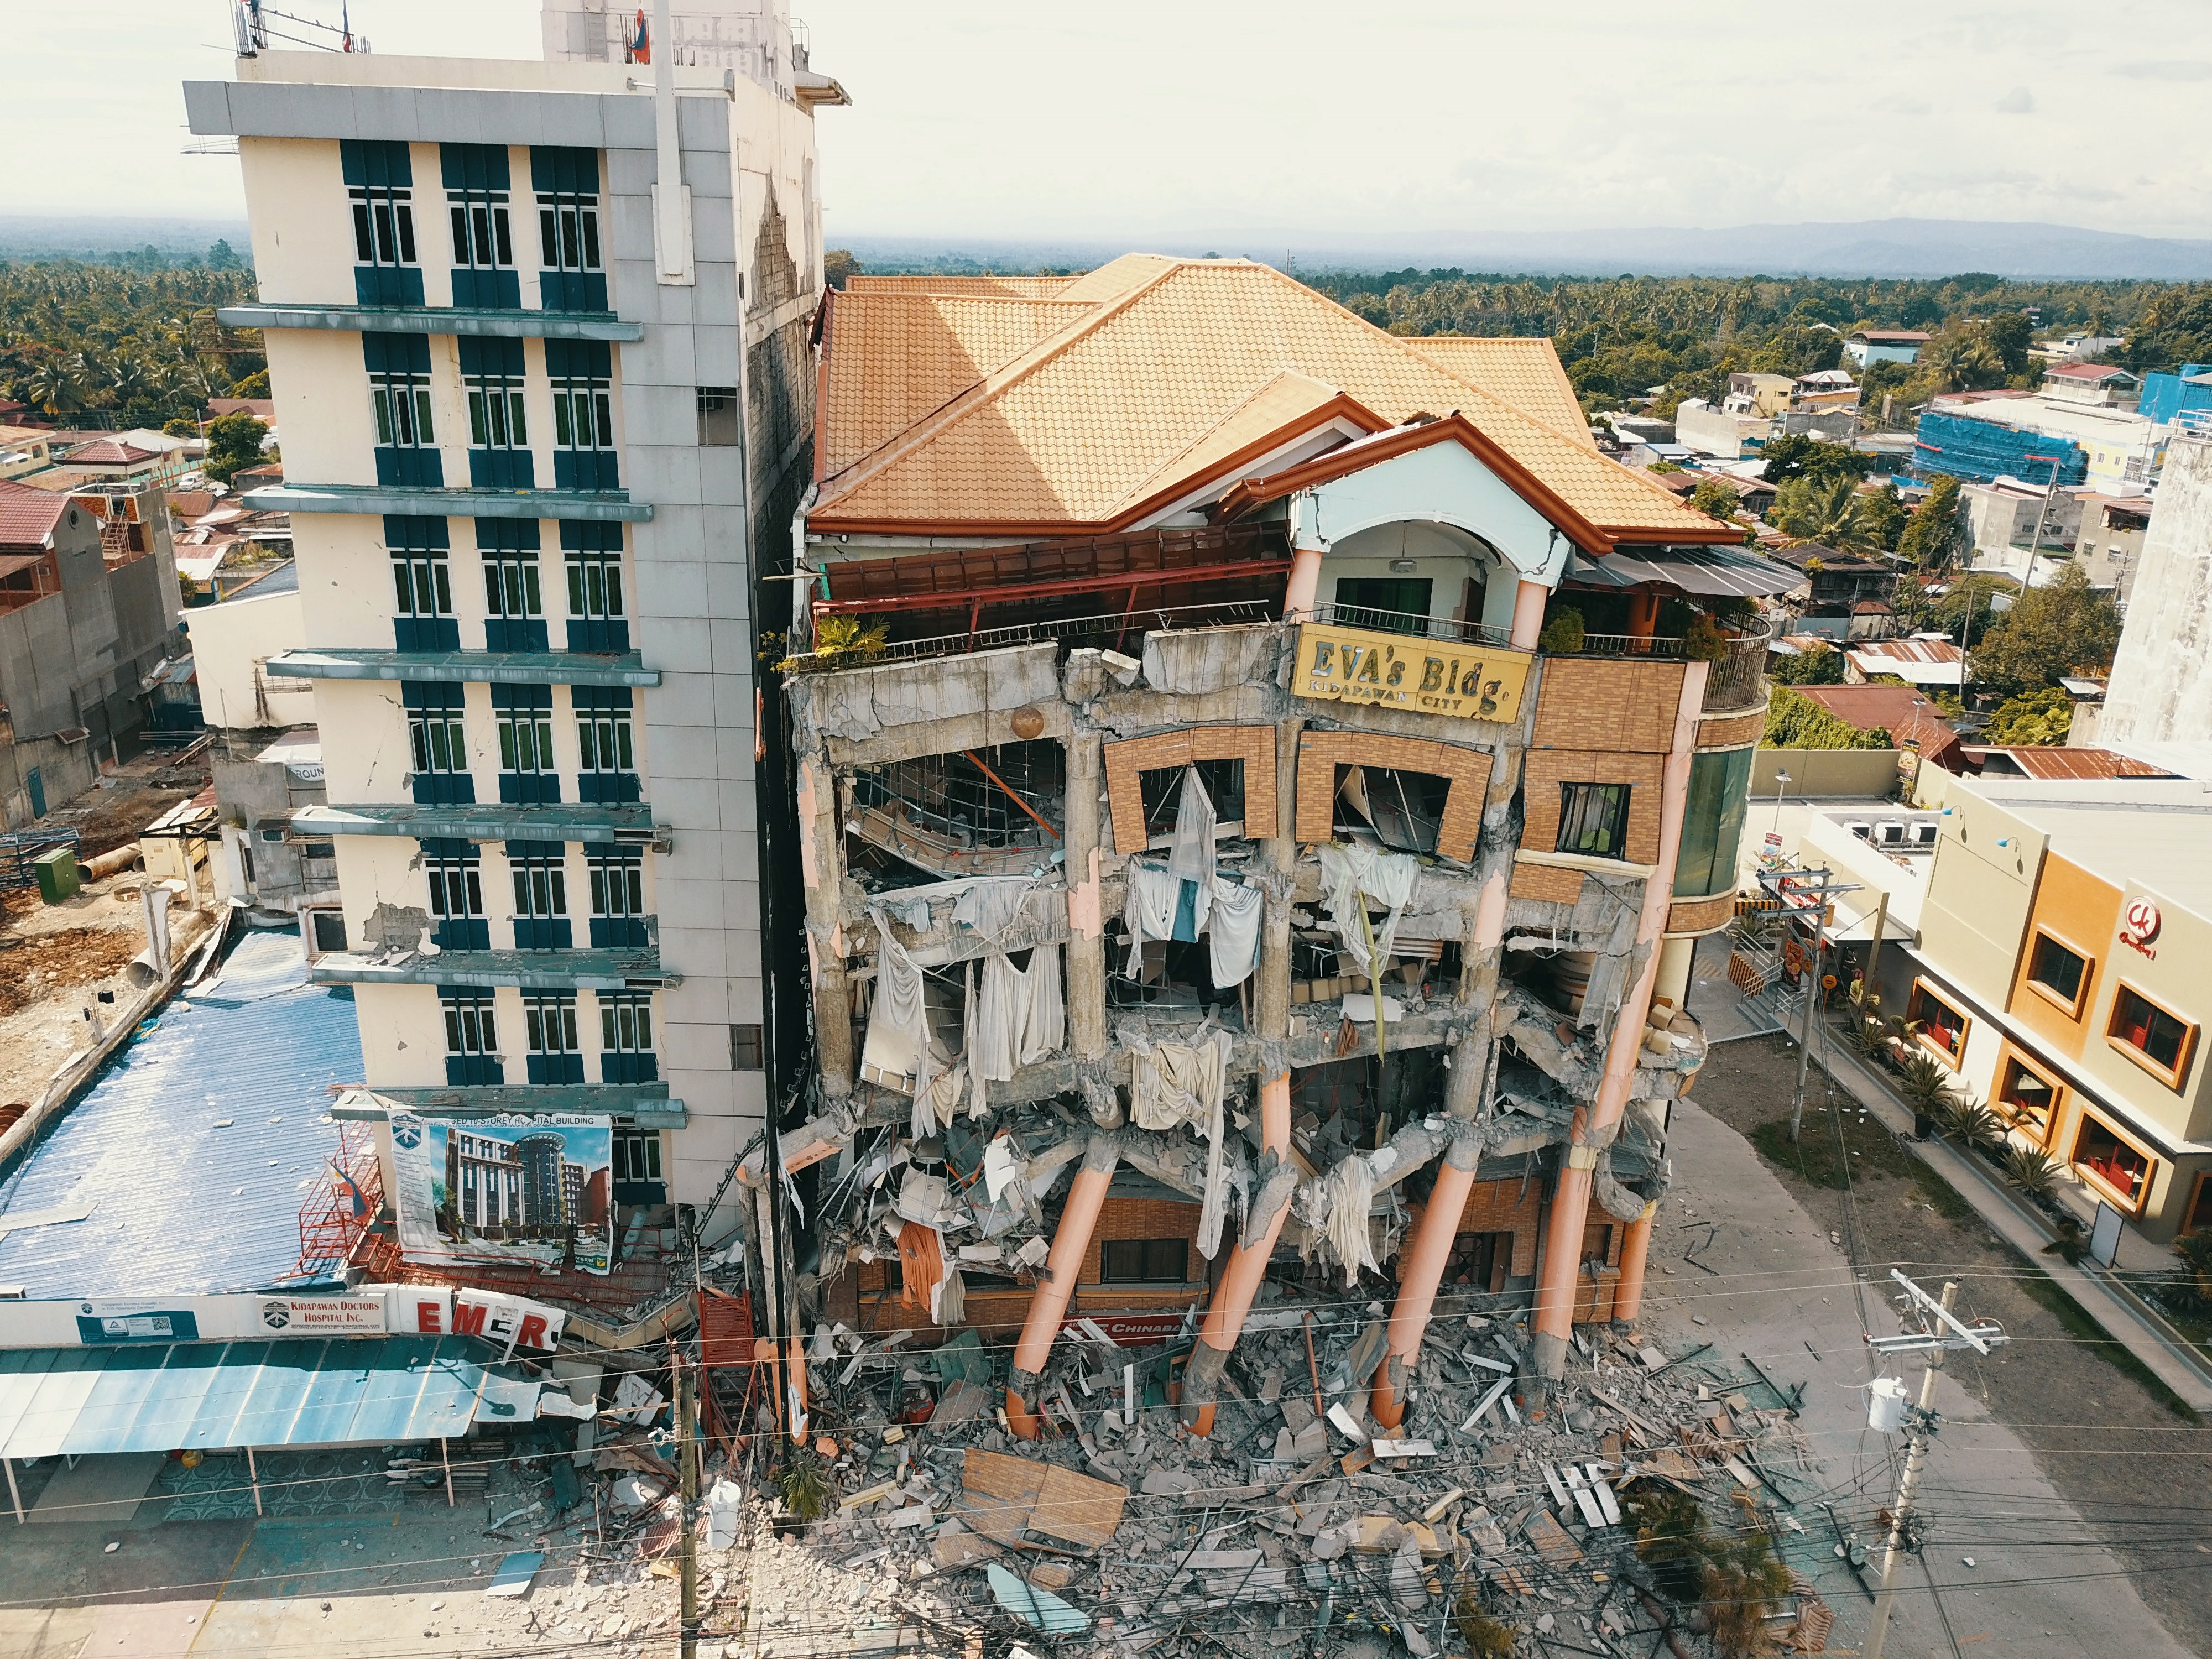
[[989, 118]]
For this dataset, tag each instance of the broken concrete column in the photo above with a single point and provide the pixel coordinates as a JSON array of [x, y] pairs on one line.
[[1086, 934], [1078, 1219], [1241, 1278], [1422, 1268], [1595, 1125], [822, 869], [1271, 1206], [1635, 1256]]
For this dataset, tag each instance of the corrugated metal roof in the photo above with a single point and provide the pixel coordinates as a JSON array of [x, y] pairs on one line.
[[180, 1205], [2056, 762], [212, 1397]]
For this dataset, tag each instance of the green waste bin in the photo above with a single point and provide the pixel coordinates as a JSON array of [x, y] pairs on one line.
[[56, 874]]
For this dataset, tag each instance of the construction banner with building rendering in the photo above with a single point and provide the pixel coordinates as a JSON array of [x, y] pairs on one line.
[[537, 1188]]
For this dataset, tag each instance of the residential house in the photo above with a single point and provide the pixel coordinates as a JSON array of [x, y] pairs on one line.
[[2109, 541], [2020, 529], [87, 608], [1275, 642], [1712, 431], [538, 475], [2090, 383], [1868, 346], [25, 450], [1758, 394], [2081, 346], [1922, 661], [1837, 584]]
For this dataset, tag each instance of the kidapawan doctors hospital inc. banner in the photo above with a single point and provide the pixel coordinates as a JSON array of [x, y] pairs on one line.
[[539, 1188]]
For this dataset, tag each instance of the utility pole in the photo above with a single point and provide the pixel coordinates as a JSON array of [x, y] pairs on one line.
[[1800, 890], [687, 1466], [1936, 1337]]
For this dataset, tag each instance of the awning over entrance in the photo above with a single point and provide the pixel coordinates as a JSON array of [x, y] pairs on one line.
[[213, 1397], [1713, 572]]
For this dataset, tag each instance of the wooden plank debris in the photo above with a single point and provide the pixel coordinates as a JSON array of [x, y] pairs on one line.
[[1551, 1540]]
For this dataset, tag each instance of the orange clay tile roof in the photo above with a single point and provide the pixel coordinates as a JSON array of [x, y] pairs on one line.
[[1063, 436], [1523, 370], [893, 357], [982, 287]]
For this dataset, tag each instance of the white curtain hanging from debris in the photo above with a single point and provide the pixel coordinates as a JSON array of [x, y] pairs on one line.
[[1021, 1016], [1348, 872]]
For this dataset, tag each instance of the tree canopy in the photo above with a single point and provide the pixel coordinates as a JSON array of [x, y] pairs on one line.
[[1937, 532], [1799, 456], [1833, 510], [122, 347], [2040, 718], [2062, 628], [1795, 722]]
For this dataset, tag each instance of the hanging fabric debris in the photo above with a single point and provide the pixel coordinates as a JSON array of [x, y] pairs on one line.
[[1190, 857], [1233, 938], [1349, 870], [950, 1303], [989, 907], [1172, 1084], [922, 1264], [1022, 1017], [1350, 1186], [1149, 911], [898, 1047]]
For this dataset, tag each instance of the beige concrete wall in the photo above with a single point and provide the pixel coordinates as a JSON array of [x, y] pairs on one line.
[[318, 381], [230, 643], [1979, 893], [366, 753], [1826, 774], [402, 1035], [305, 254]]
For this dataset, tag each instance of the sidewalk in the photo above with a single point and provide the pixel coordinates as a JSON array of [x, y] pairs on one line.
[[1717, 1005]]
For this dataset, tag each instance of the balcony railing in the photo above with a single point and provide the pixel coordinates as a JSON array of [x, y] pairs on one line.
[[1400, 621], [1113, 631], [1737, 679]]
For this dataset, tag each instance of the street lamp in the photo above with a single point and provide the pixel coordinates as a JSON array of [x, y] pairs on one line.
[[1781, 782]]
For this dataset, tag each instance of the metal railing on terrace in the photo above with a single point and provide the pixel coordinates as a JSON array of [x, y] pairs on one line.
[[1112, 630], [1738, 676], [1400, 621]]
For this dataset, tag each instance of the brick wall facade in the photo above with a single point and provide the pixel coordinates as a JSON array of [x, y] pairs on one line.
[[1732, 733], [1620, 704], [1546, 884], [1320, 753], [1143, 1218], [1126, 763], [1701, 917], [1545, 769]]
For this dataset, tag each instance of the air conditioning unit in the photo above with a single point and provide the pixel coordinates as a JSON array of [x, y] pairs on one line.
[[1860, 827], [1924, 833], [1890, 832]]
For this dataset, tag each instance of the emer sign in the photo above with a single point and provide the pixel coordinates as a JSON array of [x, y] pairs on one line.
[[1454, 677]]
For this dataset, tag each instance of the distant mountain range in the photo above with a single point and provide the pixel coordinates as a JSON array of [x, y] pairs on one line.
[[1924, 248], [60, 236]]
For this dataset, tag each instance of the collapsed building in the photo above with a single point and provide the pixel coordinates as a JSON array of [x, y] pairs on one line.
[[1260, 782]]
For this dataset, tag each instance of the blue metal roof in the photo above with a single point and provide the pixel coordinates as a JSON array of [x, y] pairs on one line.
[[181, 1206], [212, 1397]]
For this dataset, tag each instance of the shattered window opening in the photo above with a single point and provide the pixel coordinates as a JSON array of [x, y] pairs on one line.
[[1401, 810]]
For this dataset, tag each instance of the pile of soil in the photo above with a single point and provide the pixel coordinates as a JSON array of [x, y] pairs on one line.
[[45, 962]]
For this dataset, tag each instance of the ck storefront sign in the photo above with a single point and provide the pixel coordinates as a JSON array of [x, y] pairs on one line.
[[1457, 678]]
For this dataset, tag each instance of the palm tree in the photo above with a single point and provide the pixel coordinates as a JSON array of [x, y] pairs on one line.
[[1829, 511], [57, 385]]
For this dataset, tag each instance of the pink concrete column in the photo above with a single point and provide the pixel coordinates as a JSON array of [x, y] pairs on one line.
[[1304, 583], [1078, 1219], [1597, 1123], [1248, 1267], [1423, 1273], [1635, 1255], [1528, 602]]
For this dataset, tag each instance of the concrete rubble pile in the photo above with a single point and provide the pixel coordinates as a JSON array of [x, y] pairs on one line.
[[1299, 1525]]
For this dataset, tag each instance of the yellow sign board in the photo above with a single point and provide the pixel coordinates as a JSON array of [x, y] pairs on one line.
[[1453, 677]]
